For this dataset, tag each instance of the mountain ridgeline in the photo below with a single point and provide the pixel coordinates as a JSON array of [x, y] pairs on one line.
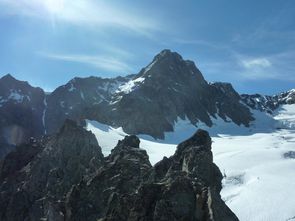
[[150, 102], [167, 89], [21, 112]]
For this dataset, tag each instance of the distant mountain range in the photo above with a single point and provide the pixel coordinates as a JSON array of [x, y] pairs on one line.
[[150, 102]]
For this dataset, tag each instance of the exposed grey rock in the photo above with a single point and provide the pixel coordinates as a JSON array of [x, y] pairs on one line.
[[260, 102], [65, 177], [289, 154], [37, 176], [21, 110], [268, 103], [72, 100], [125, 169], [185, 186]]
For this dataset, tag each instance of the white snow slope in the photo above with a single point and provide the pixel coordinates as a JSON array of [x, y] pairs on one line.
[[259, 183]]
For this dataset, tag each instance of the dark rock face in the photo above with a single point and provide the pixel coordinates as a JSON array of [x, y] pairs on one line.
[[289, 155], [35, 179], [21, 111], [185, 186], [124, 170], [71, 101], [262, 103], [228, 104], [268, 103], [65, 177], [167, 89]]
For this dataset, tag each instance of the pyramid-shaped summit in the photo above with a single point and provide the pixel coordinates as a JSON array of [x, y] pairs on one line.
[[165, 90]]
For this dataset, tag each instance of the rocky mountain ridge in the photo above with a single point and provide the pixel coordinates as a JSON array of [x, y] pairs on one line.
[[74, 98], [65, 177], [167, 89], [150, 102], [267, 103], [21, 111]]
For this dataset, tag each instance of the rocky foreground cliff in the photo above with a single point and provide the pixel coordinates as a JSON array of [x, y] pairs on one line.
[[65, 177]]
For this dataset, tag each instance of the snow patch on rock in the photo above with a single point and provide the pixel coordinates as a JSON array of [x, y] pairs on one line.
[[72, 88], [149, 67], [17, 96], [130, 85]]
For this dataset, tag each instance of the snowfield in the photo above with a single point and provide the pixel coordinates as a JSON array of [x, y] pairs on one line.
[[259, 180], [108, 138], [257, 162]]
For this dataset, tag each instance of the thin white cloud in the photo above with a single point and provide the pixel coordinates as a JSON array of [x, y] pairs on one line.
[[100, 62], [86, 13], [204, 43], [243, 68], [278, 66], [256, 63], [115, 51], [256, 68]]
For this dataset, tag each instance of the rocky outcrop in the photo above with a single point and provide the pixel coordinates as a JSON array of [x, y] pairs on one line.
[[35, 179], [267, 103], [185, 186], [259, 102], [124, 170], [65, 177], [21, 111], [287, 97]]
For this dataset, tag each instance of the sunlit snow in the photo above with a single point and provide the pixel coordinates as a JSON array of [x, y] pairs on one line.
[[258, 179], [130, 85]]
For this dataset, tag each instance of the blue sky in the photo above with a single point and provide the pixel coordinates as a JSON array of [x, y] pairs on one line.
[[248, 43]]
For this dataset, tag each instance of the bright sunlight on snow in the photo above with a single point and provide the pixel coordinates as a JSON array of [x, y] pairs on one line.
[[257, 174]]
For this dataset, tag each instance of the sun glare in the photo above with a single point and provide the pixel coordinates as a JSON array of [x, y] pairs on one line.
[[54, 6]]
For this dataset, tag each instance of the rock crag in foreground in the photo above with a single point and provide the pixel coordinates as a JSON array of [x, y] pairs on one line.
[[65, 177]]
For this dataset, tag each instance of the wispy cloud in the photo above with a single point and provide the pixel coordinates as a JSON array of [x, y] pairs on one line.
[[256, 63], [86, 13], [274, 66], [200, 42], [241, 67], [100, 62], [254, 68], [115, 51], [258, 72]]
